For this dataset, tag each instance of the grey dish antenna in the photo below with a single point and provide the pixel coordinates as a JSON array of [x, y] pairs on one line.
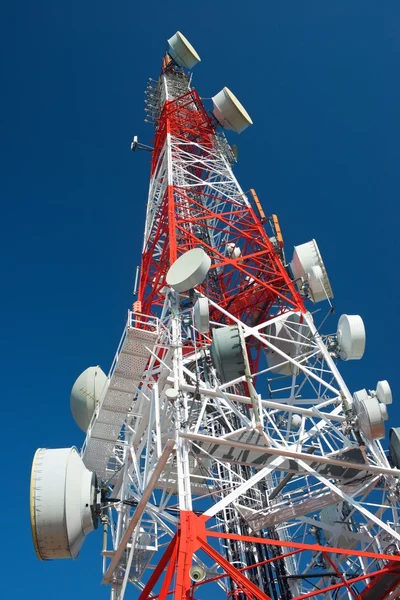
[[383, 392], [182, 51], [286, 335], [201, 315], [308, 269], [229, 112], [85, 394], [189, 270], [227, 353], [371, 415], [394, 446], [351, 337], [64, 503]]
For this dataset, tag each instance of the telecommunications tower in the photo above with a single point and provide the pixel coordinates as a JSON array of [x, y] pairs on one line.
[[225, 456]]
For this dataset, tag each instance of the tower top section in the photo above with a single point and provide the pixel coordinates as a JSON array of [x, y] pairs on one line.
[[174, 86]]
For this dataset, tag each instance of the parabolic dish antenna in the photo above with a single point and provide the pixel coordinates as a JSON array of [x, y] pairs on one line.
[[316, 283], [394, 446], [371, 415], [182, 51], [351, 337], [286, 334], [306, 258], [189, 270], [383, 392], [227, 354], [232, 250], [64, 502], [85, 394], [201, 315], [230, 113]]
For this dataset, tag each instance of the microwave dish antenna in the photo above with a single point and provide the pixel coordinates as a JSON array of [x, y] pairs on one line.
[[64, 503], [85, 395], [201, 315], [229, 112], [232, 250], [226, 353], [394, 446], [287, 334], [351, 337], [189, 270], [182, 51], [307, 266], [371, 415], [383, 392]]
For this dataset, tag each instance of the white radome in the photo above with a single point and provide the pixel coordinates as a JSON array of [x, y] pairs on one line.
[[371, 415], [189, 270], [383, 392], [230, 113], [307, 264], [85, 394], [351, 337], [182, 51], [201, 315], [232, 250], [63, 496], [316, 284], [285, 333]]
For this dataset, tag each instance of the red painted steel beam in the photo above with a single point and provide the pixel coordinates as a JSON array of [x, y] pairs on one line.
[[312, 547], [192, 536], [181, 209], [246, 585], [155, 576]]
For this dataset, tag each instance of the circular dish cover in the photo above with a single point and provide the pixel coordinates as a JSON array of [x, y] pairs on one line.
[[351, 337], [316, 284], [189, 270], [304, 258], [182, 51], [394, 446], [227, 353], [63, 503], [383, 392], [201, 315], [85, 394], [230, 112], [287, 333], [371, 415]]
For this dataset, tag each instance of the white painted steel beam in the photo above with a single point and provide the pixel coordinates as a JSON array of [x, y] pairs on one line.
[[141, 507]]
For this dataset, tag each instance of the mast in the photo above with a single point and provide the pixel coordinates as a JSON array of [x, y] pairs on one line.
[[227, 449]]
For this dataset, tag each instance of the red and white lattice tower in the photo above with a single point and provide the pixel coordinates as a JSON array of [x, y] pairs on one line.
[[231, 458]]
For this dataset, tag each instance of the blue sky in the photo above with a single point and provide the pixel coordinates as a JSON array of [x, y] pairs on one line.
[[320, 80]]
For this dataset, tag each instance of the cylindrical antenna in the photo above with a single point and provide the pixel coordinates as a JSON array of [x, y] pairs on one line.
[[136, 280]]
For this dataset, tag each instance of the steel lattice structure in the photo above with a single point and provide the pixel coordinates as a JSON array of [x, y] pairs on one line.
[[264, 481]]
